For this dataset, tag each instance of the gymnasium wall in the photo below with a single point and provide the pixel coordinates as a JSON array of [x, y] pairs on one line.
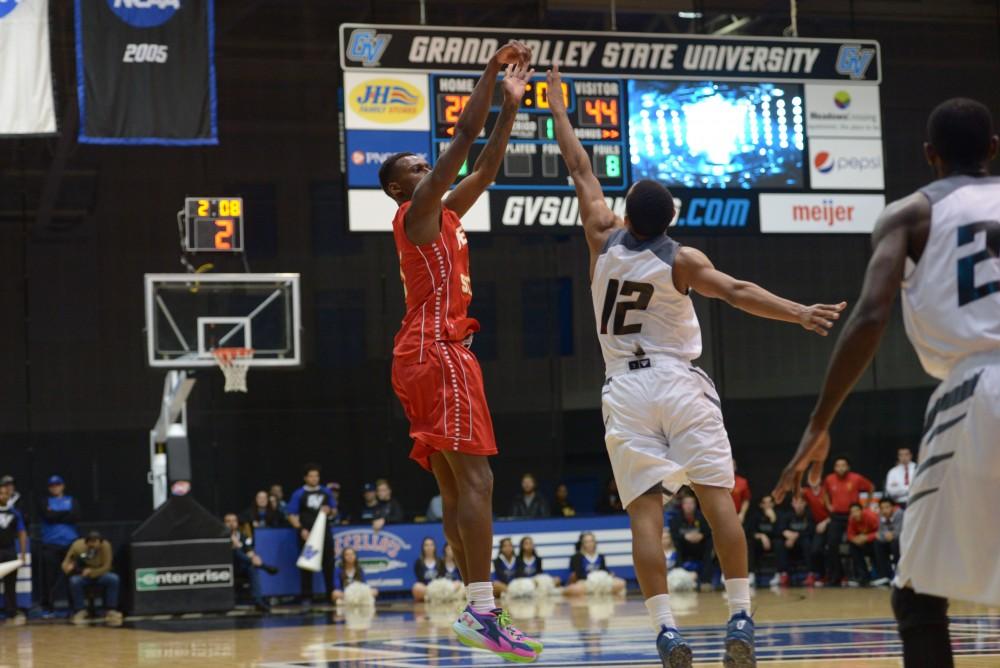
[[77, 398]]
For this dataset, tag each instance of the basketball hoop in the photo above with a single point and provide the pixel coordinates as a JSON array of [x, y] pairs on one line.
[[235, 363]]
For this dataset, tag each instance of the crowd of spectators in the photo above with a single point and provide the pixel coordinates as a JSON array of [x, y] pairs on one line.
[[841, 532]]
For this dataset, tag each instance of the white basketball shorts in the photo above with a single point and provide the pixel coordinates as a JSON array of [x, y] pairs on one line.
[[663, 424], [950, 541]]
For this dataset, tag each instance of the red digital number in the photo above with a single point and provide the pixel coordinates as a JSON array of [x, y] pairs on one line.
[[601, 108], [223, 238], [455, 106]]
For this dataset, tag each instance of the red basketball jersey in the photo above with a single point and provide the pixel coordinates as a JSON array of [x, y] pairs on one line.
[[437, 286]]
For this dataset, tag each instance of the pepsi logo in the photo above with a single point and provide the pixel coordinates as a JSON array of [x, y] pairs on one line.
[[358, 157], [823, 162]]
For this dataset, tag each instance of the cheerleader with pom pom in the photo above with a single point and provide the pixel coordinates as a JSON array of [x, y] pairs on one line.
[[587, 561], [348, 574]]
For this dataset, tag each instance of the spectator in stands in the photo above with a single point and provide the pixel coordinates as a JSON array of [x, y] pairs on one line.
[[741, 496], [897, 482], [348, 572], [562, 506], [610, 502], [862, 529], [246, 562], [16, 500], [426, 568], [389, 511], [449, 567], [370, 508], [669, 552], [587, 560], [794, 544], [60, 513], [435, 509], [890, 523], [263, 513], [335, 517], [88, 564], [692, 538], [504, 566], [306, 504], [13, 533], [813, 496], [529, 503], [277, 492], [763, 531], [841, 489]]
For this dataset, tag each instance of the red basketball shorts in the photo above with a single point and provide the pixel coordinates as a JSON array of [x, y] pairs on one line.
[[444, 400]]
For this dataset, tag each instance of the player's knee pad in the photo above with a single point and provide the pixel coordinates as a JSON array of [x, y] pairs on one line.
[[914, 610]]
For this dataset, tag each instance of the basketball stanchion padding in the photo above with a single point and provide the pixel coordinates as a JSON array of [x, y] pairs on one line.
[[235, 363], [311, 558], [8, 567]]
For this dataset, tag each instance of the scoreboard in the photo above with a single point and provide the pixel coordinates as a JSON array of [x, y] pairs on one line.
[[751, 135]]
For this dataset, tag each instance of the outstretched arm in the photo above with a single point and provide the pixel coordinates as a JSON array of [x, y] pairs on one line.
[[423, 219], [693, 269], [859, 340], [487, 164], [598, 220]]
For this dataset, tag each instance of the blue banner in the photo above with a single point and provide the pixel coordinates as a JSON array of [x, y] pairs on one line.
[[387, 556], [368, 149]]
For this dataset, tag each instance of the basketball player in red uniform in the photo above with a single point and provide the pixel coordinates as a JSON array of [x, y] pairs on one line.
[[434, 372]]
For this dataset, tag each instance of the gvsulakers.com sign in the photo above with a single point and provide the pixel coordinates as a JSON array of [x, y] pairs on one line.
[[374, 102], [183, 577]]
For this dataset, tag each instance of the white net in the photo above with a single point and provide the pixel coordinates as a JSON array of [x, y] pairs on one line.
[[235, 363]]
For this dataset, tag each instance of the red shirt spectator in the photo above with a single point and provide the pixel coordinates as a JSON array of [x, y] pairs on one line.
[[816, 504], [843, 487], [741, 492], [864, 523]]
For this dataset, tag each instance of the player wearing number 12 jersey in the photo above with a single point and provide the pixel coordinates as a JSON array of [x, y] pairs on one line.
[[434, 372], [662, 414], [941, 246]]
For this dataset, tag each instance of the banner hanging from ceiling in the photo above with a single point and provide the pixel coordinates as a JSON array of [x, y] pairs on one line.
[[146, 72], [26, 106]]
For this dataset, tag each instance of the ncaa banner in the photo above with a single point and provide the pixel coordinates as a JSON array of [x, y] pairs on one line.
[[26, 106], [146, 72]]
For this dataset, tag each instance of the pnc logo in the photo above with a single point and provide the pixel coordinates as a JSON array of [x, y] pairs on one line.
[[842, 99], [358, 158], [144, 13], [386, 100], [823, 162]]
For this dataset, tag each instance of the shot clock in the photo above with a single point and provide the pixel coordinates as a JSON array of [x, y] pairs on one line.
[[213, 224]]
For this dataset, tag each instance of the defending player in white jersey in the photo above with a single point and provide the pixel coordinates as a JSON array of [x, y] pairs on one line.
[[941, 245], [662, 414]]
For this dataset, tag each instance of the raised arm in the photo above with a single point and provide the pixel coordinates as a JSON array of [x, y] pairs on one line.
[[900, 229], [423, 219], [598, 219], [693, 269], [487, 164]]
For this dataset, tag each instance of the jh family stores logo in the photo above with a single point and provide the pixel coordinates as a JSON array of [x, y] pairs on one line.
[[388, 101], [167, 578]]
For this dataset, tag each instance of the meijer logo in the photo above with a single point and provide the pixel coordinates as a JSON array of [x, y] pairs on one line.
[[386, 100], [183, 577]]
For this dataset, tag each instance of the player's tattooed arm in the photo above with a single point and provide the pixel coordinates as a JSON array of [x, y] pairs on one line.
[[423, 219], [900, 231], [484, 171], [598, 219], [693, 269]]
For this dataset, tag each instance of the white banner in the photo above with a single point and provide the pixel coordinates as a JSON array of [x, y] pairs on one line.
[[373, 211], [382, 101], [26, 106], [843, 111], [846, 164], [819, 213]]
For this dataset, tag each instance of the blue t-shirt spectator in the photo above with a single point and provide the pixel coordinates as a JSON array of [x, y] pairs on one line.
[[306, 502], [59, 518]]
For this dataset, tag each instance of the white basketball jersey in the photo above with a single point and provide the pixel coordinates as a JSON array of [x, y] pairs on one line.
[[951, 298], [638, 309]]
